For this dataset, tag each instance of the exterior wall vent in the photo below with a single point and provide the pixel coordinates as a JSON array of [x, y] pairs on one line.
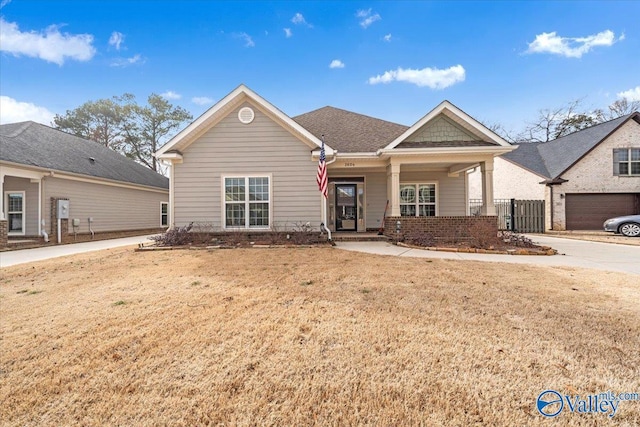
[[246, 115]]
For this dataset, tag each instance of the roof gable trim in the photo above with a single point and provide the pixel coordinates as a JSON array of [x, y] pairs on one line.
[[449, 107]]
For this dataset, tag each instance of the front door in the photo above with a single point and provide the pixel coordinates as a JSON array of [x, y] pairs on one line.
[[346, 207]]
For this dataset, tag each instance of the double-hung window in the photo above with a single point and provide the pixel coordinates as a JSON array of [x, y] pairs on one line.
[[164, 214], [14, 202], [418, 199], [247, 202], [626, 161]]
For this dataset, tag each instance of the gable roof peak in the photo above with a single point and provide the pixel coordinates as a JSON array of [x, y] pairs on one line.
[[459, 116], [220, 109]]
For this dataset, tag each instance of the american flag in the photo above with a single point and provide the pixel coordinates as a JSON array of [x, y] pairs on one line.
[[321, 179]]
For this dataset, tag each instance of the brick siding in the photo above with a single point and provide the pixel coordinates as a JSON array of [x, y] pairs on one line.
[[444, 228], [4, 227]]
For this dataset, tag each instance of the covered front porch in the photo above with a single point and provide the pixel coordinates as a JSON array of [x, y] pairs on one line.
[[363, 192]]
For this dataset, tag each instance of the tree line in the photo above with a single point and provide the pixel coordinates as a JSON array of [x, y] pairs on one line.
[[120, 123], [553, 123]]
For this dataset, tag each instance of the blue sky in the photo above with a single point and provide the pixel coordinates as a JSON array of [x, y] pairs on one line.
[[498, 61]]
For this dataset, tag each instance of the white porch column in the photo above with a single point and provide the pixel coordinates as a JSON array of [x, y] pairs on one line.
[[486, 170], [2, 216], [393, 188]]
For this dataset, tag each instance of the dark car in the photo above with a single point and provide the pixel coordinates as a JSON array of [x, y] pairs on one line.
[[626, 225]]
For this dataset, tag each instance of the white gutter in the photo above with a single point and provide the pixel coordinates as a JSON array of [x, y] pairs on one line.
[[446, 150]]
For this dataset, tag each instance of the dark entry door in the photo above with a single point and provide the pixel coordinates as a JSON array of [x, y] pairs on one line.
[[346, 207]]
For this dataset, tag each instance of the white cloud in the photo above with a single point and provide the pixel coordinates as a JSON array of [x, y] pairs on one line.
[[116, 39], [387, 38], [202, 100], [12, 111], [571, 47], [336, 63], [631, 94], [3, 3], [298, 19], [170, 95], [431, 77], [366, 18], [248, 41], [124, 62], [287, 32], [50, 45]]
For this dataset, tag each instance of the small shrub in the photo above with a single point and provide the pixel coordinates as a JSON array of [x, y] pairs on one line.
[[515, 239], [177, 236], [420, 238], [119, 303], [483, 235]]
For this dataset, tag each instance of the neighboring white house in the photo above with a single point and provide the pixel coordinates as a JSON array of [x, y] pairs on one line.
[[584, 178], [105, 191], [245, 165]]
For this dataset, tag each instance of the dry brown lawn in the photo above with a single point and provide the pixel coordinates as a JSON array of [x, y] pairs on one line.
[[309, 337]]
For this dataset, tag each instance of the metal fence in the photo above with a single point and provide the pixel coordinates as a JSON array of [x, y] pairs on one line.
[[522, 216]]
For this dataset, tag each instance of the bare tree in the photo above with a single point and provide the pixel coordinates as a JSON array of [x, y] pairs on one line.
[[558, 122], [622, 107]]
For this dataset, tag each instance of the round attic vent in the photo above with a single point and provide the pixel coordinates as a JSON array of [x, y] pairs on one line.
[[246, 115]]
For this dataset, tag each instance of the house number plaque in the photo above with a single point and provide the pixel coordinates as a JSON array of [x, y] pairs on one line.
[[349, 165]]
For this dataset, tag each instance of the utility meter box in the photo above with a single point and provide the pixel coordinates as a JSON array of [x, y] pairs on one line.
[[63, 209], [76, 222]]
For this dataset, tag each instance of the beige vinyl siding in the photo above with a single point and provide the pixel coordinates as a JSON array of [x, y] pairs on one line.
[[12, 183], [112, 208], [261, 148], [450, 197]]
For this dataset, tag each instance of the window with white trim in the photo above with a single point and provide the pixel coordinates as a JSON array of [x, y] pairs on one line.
[[164, 214], [247, 202], [15, 212], [626, 161], [418, 199]]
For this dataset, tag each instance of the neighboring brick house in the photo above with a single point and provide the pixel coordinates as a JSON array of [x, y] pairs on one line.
[[106, 192], [584, 178]]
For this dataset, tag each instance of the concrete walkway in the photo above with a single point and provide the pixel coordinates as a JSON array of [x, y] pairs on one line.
[[572, 253], [21, 256]]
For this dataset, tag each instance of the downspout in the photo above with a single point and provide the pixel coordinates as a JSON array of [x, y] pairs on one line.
[[44, 233], [90, 230], [42, 221], [551, 207], [324, 210]]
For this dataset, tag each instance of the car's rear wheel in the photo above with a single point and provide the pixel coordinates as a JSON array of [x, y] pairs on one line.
[[630, 229]]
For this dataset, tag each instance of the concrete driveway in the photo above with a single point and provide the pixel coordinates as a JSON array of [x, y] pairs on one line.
[[572, 253], [22, 256]]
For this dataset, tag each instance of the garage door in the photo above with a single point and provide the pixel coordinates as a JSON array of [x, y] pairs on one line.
[[589, 211]]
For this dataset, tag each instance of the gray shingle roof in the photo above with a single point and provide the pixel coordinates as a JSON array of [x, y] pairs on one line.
[[553, 158], [350, 132], [528, 156], [34, 144]]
